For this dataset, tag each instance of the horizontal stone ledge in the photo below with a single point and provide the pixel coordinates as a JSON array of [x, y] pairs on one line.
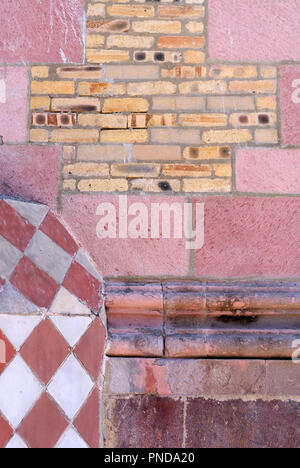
[[259, 319], [216, 378]]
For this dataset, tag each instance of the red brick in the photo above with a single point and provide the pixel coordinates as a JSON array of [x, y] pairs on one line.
[[83, 285], [92, 356], [44, 351], [5, 432], [34, 284], [88, 420], [14, 227], [44, 425], [54, 229]]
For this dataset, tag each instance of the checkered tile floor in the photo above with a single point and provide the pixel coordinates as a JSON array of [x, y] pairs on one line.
[[51, 336]]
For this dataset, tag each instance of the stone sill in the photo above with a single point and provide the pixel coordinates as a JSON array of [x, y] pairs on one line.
[[257, 320]]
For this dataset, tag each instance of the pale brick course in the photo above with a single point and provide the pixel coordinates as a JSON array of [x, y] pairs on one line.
[[146, 111]]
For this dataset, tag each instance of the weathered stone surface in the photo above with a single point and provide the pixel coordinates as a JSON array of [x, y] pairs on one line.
[[144, 422], [235, 30], [240, 424], [48, 31], [30, 173]]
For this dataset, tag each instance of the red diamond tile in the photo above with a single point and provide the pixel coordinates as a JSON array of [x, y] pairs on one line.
[[34, 284], [7, 352], [44, 425], [5, 432], [90, 348], [83, 285], [52, 227], [45, 350], [14, 227], [88, 420]]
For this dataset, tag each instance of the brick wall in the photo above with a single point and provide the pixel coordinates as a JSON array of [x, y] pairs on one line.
[[160, 116]]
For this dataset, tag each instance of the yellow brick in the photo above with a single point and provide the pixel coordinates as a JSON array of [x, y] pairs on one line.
[[77, 104], [98, 9], [156, 153], [223, 170], [138, 42], [39, 136], [53, 87], [102, 120], [260, 87], [157, 27], [103, 185], [86, 170], [148, 120], [266, 136], [268, 72], [40, 72], [40, 103], [233, 71], [156, 185], [203, 120], [230, 103], [103, 152], [125, 105], [185, 72], [86, 88], [181, 11], [74, 136], [124, 136], [206, 185], [84, 72], [253, 119], [106, 56], [140, 11], [206, 152], [195, 27], [266, 102], [186, 170], [203, 87], [134, 170], [69, 184], [151, 87], [94, 40], [194, 56], [227, 136]]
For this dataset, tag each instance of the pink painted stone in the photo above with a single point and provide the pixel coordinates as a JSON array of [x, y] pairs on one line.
[[268, 170], [247, 236], [290, 104], [30, 173], [13, 103], [41, 31], [254, 30], [125, 257]]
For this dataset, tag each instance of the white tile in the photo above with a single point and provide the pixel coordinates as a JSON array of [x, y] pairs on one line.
[[48, 256], [33, 212], [19, 391], [17, 328], [72, 328], [71, 440], [83, 260], [12, 301], [66, 303], [70, 386], [16, 443], [9, 258]]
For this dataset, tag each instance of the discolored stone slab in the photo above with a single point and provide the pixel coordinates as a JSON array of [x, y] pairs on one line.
[[240, 424], [144, 422]]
